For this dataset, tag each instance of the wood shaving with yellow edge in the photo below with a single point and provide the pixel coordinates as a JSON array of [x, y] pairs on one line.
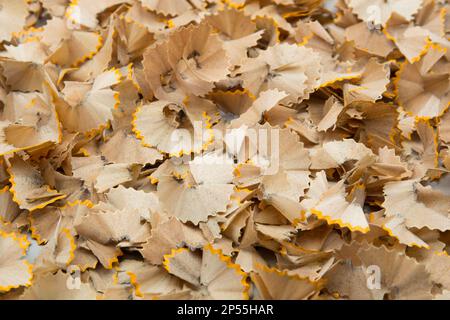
[[224, 149]]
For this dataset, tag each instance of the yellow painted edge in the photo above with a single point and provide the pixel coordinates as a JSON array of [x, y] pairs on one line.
[[73, 246], [167, 257], [23, 244], [237, 268], [110, 262], [91, 54], [339, 222], [413, 244], [135, 284], [318, 284]]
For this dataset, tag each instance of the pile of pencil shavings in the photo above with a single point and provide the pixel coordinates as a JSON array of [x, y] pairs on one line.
[[224, 149]]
